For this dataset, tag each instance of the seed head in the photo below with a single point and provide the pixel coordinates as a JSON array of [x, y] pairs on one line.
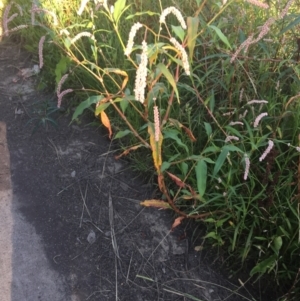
[[258, 3], [268, 149], [175, 12], [141, 75], [156, 123], [135, 27], [258, 119], [41, 45], [184, 57], [247, 167]]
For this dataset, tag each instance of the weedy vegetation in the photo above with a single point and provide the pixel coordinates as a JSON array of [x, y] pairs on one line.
[[208, 92]]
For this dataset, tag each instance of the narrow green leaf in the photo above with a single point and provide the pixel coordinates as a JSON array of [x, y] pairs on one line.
[[221, 35], [210, 149], [179, 31], [119, 6], [250, 132], [86, 104], [248, 243], [122, 134], [208, 129], [260, 238], [124, 104], [192, 24], [173, 157], [198, 158], [211, 235], [61, 68], [233, 131], [220, 161], [165, 165], [264, 265], [201, 175], [290, 26], [163, 69], [220, 222], [173, 134], [184, 168], [212, 102], [284, 232], [149, 13], [101, 108], [208, 160], [235, 235], [210, 220], [67, 42], [232, 148], [277, 243], [215, 236]]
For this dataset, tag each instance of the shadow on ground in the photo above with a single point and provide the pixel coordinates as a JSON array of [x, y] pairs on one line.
[[71, 224]]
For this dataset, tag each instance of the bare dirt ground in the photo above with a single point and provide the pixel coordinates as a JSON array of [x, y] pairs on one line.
[[82, 206]]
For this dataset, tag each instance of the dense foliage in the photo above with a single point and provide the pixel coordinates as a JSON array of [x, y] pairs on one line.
[[211, 94]]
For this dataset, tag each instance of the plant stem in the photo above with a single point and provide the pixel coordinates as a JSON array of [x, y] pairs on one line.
[[129, 125]]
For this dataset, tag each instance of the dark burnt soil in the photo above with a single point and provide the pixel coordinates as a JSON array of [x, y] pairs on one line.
[[84, 204]]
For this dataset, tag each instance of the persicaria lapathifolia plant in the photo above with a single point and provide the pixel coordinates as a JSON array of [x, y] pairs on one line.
[[221, 122]]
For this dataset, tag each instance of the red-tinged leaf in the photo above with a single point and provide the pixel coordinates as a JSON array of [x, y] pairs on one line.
[[126, 152], [189, 133], [186, 129], [176, 180], [155, 203], [177, 222], [106, 122]]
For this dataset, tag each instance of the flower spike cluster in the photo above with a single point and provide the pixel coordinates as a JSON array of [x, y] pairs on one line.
[[59, 85], [141, 75], [82, 34], [229, 138], [58, 90], [285, 10], [41, 45], [268, 149], [156, 123], [256, 101], [61, 95], [258, 119], [258, 4], [6, 20], [247, 167], [264, 29], [184, 56], [175, 12], [135, 27], [36, 9]]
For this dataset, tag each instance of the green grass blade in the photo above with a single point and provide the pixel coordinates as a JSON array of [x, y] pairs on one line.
[[201, 175], [169, 77]]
